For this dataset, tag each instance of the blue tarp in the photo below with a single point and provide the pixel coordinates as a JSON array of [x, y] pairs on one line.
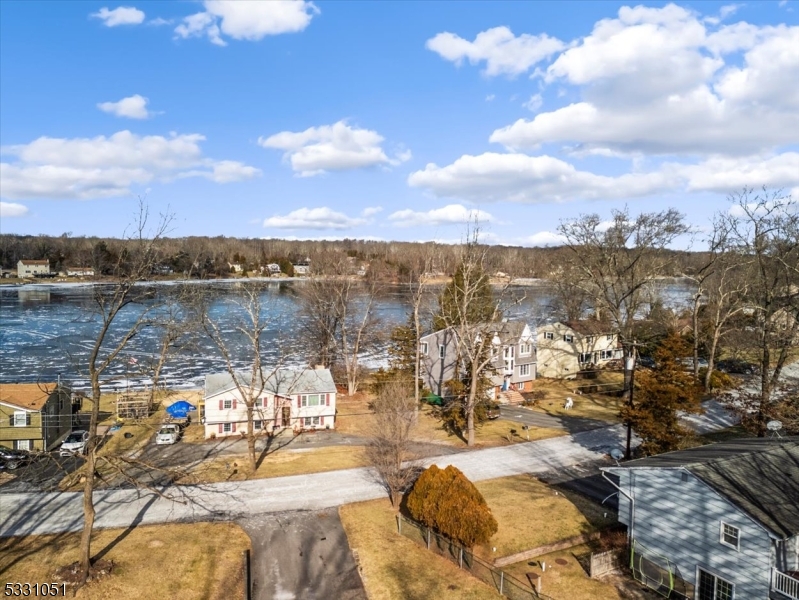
[[180, 409]]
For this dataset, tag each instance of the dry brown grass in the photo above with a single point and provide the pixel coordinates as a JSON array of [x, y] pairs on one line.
[[394, 567], [198, 560], [566, 581], [589, 406], [354, 417], [279, 464], [531, 514]]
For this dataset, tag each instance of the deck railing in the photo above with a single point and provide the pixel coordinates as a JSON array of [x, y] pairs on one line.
[[785, 584]]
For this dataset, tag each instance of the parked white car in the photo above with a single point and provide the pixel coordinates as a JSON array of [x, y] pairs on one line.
[[167, 434], [75, 443]]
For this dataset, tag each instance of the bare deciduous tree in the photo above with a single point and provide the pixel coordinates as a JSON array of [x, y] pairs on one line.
[[467, 305], [249, 327], [339, 319], [763, 229], [616, 263], [111, 339], [389, 449]]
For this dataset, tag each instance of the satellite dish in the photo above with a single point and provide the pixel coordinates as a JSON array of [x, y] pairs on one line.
[[774, 425], [616, 454]]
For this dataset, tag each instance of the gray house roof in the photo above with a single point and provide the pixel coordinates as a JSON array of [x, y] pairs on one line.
[[760, 476], [282, 382]]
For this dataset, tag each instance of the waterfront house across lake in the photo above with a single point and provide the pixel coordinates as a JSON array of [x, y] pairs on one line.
[[290, 398], [34, 416], [33, 268]]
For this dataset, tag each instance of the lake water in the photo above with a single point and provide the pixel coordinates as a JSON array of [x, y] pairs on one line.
[[46, 330]]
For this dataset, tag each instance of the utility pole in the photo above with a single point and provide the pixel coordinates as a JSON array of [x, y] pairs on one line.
[[629, 367]]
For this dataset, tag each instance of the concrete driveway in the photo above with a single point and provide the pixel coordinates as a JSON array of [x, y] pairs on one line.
[[301, 555]]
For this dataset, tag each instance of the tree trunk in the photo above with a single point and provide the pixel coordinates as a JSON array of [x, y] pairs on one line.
[[88, 519], [88, 486], [251, 437], [697, 296], [470, 406], [711, 359]]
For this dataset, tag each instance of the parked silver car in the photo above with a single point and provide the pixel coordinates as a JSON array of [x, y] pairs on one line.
[[75, 443]]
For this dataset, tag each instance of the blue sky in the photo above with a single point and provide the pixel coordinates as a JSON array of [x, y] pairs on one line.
[[389, 120]]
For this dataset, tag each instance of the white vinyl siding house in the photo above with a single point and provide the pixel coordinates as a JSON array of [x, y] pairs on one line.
[[290, 400], [564, 349]]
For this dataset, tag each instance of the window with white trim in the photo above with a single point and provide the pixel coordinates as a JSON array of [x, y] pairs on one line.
[[423, 348], [227, 427], [589, 339], [23, 445], [525, 349], [310, 421], [584, 357], [524, 370], [712, 587], [730, 536], [567, 337], [548, 335], [311, 400], [441, 350], [257, 424], [227, 404], [609, 337], [21, 418], [605, 354]]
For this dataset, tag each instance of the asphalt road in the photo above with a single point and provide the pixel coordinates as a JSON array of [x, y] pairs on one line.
[[535, 418], [38, 513]]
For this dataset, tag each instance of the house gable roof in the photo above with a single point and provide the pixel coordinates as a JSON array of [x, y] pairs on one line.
[[589, 327], [280, 382], [26, 261], [760, 476], [509, 332], [26, 396]]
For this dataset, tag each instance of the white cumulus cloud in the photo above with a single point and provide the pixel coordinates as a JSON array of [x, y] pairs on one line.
[[132, 107], [103, 167], [12, 209], [494, 177], [337, 147], [544, 238], [314, 218], [247, 20], [452, 214], [124, 15], [658, 81], [502, 52]]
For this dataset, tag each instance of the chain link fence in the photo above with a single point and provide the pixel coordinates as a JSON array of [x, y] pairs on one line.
[[507, 585]]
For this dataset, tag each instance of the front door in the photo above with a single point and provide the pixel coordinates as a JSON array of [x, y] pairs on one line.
[[286, 415]]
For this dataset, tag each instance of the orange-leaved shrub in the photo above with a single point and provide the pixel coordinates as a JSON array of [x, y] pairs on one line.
[[448, 502]]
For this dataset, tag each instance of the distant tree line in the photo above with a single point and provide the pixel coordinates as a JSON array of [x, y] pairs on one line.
[[209, 257]]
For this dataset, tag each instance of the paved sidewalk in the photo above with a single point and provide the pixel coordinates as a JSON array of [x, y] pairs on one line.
[[22, 514]]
